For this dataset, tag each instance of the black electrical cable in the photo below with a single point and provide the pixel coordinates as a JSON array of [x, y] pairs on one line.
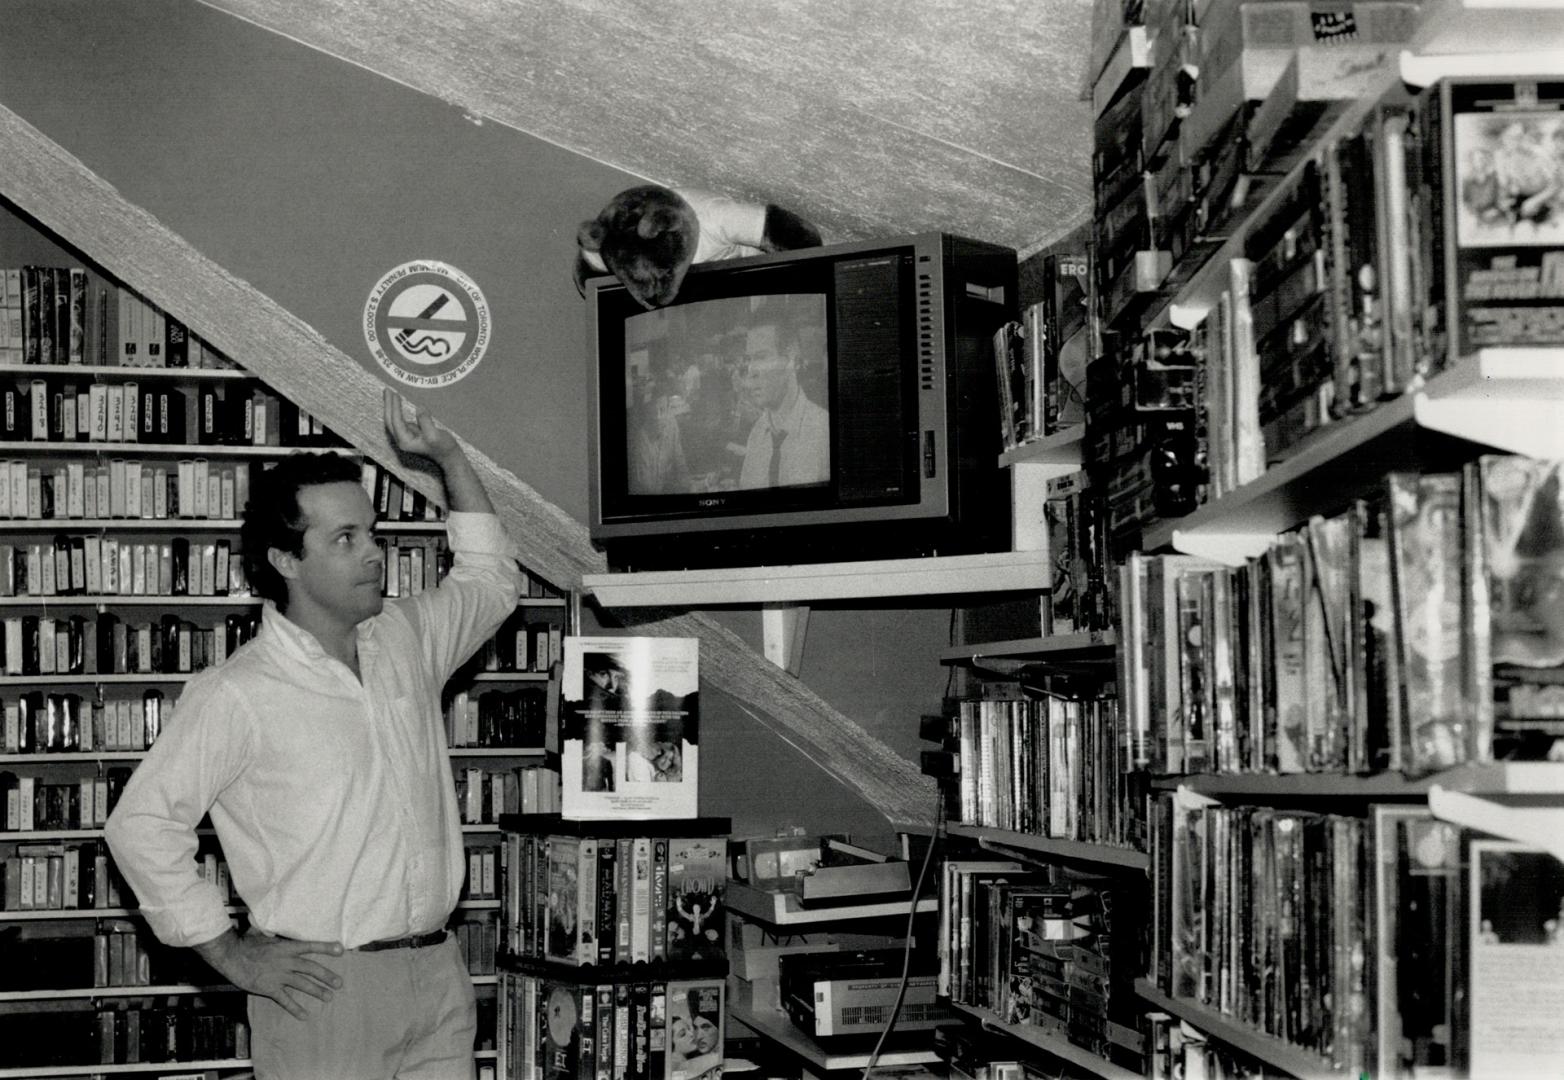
[[912, 914]]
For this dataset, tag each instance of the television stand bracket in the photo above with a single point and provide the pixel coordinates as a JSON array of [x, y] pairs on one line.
[[782, 628]]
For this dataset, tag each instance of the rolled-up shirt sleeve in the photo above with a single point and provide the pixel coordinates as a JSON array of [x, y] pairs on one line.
[[481, 590], [151, 831]]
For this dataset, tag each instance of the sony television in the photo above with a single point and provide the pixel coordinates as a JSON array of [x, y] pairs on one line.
[[830, 404]]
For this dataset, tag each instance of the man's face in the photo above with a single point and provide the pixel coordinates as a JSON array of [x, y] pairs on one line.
[[766, 374], [705, 1035], [341, 569]]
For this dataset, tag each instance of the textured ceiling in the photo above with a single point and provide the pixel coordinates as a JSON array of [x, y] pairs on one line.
[[870, 118]]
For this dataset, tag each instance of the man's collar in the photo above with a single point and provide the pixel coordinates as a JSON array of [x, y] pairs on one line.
[[300, 643]]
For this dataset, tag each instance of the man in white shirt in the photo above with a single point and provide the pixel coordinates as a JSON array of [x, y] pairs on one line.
[[791, 440], [318, 749]]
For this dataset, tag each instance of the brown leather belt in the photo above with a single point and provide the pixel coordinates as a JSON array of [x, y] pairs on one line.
[[417, 941]]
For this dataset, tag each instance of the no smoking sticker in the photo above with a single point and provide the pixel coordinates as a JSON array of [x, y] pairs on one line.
[[426, 323]]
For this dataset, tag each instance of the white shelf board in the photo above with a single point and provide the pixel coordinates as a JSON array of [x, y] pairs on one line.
[[1511, 399], [1008, 571], [1492, 778], [106, 600], [88, 992], [783, 908], [169, 1068], [126, 524], [1424, 69], [781, 1030], [56, 448], [64, 914], [1074, 850], [1054, 646], [494, 751], [107, 679], [1293, 1060], [67, 756], [131, 374], [75, 914], [1057, 1045], [1060, 448]]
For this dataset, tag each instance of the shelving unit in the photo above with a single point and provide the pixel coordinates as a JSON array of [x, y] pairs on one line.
[[1055, 1045], [1280, 1055], [1091, 644], [1508, 399], [784, 909], [25, 245], [1496, 778], [937, 575], [87, 993], [1009, 842], [224, 1064], [780, 1032], [599, 921], [780, 912]]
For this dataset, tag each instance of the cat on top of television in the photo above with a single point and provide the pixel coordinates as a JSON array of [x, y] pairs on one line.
[[648, 236]]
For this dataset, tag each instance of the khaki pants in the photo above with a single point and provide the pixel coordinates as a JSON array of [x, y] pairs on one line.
[[405, 1013]]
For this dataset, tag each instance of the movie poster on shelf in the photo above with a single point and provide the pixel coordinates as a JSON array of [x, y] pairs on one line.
[[630, 727], [1516, 925], [695, 1030], [1506, 141]]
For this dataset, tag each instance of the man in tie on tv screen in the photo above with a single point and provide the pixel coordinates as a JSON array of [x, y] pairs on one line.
[[790, 442], [318, 749]]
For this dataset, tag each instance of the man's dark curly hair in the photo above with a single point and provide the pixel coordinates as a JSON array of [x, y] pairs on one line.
[[272, 518]]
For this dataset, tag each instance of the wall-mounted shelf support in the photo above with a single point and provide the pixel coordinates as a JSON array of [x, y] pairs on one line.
[[1031, 466], [783, 627]]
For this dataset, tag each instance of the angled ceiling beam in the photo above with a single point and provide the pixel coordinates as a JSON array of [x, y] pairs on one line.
[[944, 115], [48, 184]]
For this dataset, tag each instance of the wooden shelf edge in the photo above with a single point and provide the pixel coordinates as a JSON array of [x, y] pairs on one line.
[[1056, 1045], [1294, 1060]]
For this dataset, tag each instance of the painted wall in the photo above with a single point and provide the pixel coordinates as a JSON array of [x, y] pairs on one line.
[[310, 178]]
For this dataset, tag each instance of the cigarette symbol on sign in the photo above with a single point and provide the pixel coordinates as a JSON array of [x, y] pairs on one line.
[[426, 344], [426, 324]]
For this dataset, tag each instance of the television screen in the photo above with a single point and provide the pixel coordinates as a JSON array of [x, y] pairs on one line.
[[801, 405], [728, 394]]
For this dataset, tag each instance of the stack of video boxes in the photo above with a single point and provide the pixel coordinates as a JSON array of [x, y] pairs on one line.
[[1143, 437], [1250, 80], [1232, 96]]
